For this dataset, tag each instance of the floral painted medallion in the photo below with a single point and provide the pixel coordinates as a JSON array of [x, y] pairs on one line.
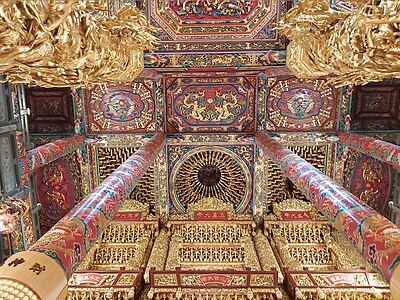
[[300, 103], [121, 108]]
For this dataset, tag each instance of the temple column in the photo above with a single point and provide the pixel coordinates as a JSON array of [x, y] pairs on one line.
[[45, 154], [42, 271], [372, 234], [378, 149]]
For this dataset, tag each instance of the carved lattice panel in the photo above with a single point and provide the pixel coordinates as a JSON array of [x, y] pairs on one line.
[[109, 159], [210, 171], [280, 188]]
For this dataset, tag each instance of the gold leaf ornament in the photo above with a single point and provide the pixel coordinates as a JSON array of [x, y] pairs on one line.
[[354, 46], [68, 44]]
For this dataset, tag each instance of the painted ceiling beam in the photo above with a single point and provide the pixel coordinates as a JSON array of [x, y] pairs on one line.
[[40, 156], [374, 236], [381, 150], [42, 271]]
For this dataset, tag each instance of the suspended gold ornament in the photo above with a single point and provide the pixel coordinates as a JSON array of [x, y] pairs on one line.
[[356, 47], [52, 44]]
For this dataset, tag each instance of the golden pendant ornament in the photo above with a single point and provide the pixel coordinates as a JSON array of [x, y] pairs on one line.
[[71, 44], [354, 46]]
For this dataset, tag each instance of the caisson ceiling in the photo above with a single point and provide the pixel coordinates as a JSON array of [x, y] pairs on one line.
[[218, 75]]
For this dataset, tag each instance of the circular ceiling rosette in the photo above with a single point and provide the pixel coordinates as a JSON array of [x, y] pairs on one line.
[[210, 172]]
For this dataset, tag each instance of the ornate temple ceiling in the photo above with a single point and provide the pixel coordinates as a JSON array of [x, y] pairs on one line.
[[217, 76], [216, 34], [210, 104], [216, 25]]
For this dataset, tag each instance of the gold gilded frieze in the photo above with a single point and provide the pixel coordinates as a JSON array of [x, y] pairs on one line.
[[215, 293], [195, 284], [114, 267], [212, 206], [336, 285], [266, 255], [100, 285], [210, 232], [318, 260], [127, 241], [130, 257], [159, 253], [126, 232]]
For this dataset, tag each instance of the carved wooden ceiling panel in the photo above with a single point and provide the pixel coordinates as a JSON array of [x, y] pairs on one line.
[[51, 110], [376, 106], [292, 104]]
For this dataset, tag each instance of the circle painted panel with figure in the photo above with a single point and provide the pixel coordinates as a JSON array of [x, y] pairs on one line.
[[300, 104], [121, 108]]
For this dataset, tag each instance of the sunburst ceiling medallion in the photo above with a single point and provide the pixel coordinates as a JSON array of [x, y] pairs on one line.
[[210, 172]]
